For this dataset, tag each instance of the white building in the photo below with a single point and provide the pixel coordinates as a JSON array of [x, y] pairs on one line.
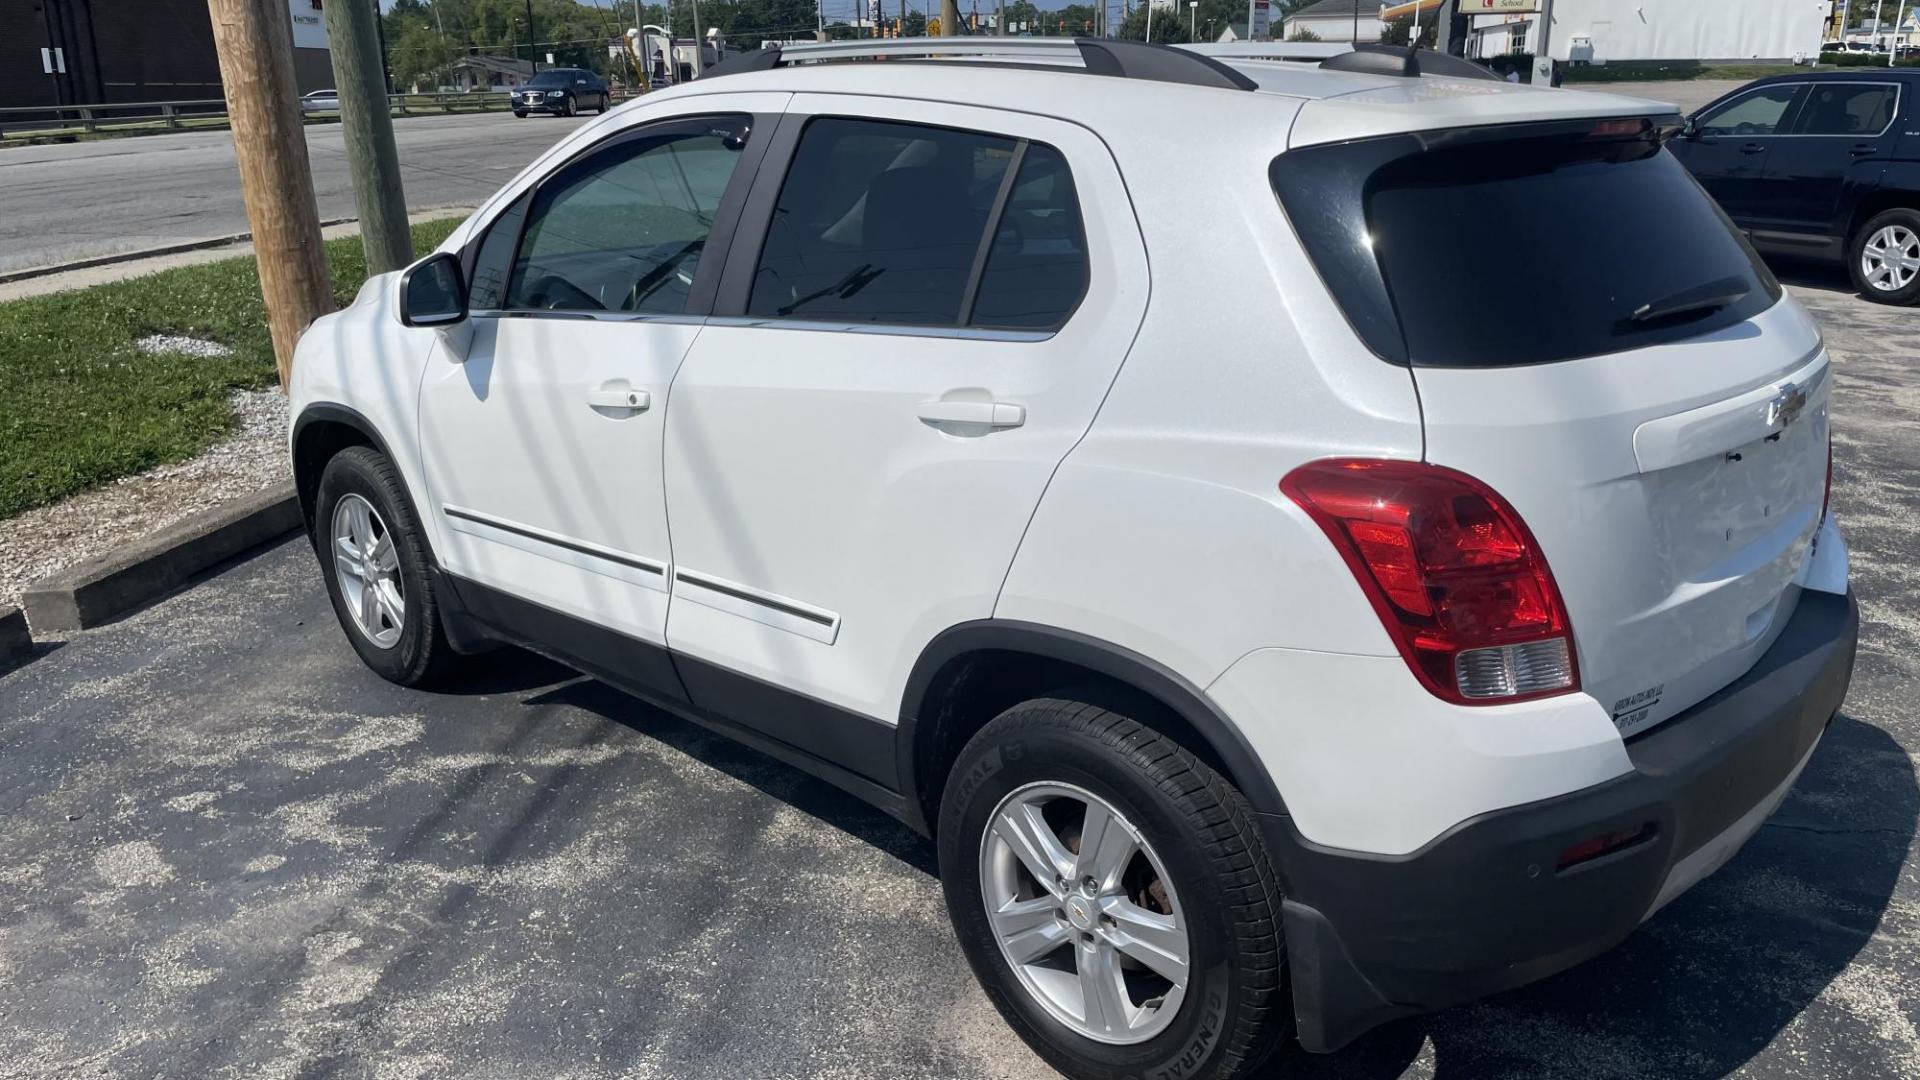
[[1337, 20], [1613, 31]]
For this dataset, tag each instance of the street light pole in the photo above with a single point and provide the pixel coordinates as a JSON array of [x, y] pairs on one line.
[[1193, 20]]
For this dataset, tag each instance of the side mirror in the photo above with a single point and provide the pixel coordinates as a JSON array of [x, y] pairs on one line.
[[432, 292], [1690, 129]]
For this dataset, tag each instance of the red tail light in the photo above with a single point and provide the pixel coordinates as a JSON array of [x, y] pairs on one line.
[[1458, 581]]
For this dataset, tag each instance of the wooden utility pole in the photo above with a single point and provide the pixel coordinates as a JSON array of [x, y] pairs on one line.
[[366, 123], [255, 41], [949, 18]]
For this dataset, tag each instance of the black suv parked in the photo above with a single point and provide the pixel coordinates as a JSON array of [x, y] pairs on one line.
[[1820, 165], [563, 92]]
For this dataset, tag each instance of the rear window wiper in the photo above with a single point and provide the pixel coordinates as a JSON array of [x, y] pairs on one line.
[[1698, 300]]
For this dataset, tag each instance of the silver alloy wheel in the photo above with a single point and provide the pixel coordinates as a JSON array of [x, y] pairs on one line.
[[368, 569], [1891, 258], [1084, 913]]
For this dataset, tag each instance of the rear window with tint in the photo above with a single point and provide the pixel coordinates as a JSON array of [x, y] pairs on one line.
[[1541, 244]]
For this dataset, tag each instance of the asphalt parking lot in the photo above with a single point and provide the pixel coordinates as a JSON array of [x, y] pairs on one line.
[[228, 850]]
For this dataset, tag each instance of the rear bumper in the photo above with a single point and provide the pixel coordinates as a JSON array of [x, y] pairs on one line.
[[1484, 908]]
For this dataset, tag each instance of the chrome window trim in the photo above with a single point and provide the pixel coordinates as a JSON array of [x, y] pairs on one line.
[[671, 319], [963, 333], [1729, 103], [1899, 99]]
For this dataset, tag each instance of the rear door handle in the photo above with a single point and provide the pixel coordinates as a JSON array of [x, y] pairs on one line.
[[994, 414], [631, 400]]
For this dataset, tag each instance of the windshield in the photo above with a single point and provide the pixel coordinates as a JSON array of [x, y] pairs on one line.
[[1487, 250], [554, 78]]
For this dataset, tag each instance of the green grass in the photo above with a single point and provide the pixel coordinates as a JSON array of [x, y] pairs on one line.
[[80, 406]]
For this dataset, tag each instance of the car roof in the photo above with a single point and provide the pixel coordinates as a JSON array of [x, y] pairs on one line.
[[1331, 105], [1869, 74]]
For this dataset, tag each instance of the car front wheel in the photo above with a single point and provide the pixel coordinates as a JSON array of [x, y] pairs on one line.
[[1885, 257], [1113, 896], [375, 562]]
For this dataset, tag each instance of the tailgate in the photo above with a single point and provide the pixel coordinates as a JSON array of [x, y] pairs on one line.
[[1592, 338]]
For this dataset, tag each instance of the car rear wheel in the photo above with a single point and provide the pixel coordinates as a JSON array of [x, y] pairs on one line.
[[1113, 896], [375, 563], [1885, 257]]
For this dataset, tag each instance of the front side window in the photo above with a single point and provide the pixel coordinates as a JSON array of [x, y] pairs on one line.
[[1859, 109], [1758, 113], [904, 224], [623, 228]]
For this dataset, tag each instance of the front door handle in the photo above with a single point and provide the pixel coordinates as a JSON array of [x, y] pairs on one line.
[[629, 400], [1863, 149], [1754, 148], [994, 414]]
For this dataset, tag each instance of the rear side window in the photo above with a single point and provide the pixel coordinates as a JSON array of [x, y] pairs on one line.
[[905, 224], [1036, 270], [1624, 250], [1847, 109]]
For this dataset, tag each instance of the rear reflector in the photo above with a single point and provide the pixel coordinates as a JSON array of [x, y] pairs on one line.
[[1604, 844], [1455, 576]]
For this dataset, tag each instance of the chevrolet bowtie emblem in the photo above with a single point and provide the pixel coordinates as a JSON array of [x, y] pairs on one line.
[[1786, 406]]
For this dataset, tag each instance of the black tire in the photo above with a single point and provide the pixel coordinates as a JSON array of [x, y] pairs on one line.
[[421, 655], [566, 106], [1899, 217], [603, 104], [1238, 1009], [520, 113]]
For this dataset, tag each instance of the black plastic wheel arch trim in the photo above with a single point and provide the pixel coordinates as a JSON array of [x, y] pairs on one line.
[[328, 412], [1143, 674]]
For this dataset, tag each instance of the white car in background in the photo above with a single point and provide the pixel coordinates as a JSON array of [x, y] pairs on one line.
[[1120, 463], [320, 101]]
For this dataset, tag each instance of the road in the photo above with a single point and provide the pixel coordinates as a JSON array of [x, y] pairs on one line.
[[231, 851], [80, 200]]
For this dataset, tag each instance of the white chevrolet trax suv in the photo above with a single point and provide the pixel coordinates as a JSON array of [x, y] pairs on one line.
[[1122, 464]]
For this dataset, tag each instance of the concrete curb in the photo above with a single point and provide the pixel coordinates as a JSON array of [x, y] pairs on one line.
[[229, 240], [15, 644], [117, 583]]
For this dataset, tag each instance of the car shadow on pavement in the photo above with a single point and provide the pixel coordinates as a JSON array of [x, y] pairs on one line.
[[1715, 977], [797, 789], [1694, 993]]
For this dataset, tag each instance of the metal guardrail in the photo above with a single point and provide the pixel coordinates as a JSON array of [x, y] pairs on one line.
[[173, 114]]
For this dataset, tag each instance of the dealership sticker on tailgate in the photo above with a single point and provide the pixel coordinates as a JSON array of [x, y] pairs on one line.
[[1631, 711]]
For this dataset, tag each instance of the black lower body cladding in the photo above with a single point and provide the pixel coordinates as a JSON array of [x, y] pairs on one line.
[[1489, 905]]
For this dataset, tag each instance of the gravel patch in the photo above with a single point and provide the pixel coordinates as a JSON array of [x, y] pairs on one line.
[[198, 348], [51, 538]]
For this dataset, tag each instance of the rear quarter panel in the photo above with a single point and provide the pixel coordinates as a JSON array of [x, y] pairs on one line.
[[1164, 531]]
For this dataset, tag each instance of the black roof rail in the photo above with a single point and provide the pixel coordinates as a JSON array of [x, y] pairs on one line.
[[1095, 56], [1405, 62]]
